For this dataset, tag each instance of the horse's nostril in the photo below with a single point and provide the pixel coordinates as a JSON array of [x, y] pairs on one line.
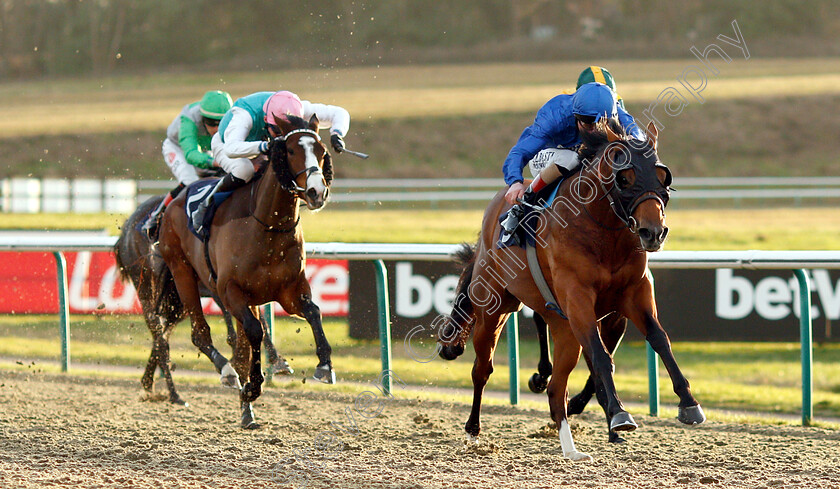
[[645, 234], [312, 193], [663, 234]]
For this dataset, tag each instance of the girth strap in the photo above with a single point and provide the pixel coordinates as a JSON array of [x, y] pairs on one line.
[[213, 276], [539, 279]]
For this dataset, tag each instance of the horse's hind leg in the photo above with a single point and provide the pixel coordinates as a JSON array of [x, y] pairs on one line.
[[566, 355], [539, 381]]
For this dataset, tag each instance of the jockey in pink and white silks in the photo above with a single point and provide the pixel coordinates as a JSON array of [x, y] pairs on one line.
[[249, 124]]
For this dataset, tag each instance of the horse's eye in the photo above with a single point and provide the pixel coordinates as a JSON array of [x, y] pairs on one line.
[[622, 181]]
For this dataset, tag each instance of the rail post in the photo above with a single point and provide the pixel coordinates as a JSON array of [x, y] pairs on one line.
[[268, 314], [653, 380], [513, 356], [63, 310], [806, 345], [653, 369], [384, 321]]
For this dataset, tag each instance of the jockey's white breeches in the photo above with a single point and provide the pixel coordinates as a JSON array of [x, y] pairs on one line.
[[564, 158], [242, 168], [174, 157]]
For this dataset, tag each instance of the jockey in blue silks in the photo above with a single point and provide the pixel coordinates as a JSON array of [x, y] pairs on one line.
[[547, 144]]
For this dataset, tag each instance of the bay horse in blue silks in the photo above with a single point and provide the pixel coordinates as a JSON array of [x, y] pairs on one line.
[[255, 255], [591, 248]]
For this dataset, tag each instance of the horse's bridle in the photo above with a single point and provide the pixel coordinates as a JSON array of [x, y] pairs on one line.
[[294, 187], [645, 187]]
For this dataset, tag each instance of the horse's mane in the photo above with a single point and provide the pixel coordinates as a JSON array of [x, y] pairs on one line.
[[596, 141], [277, 158]]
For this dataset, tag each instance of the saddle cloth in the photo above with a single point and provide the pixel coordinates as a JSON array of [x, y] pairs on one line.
[[196, 193]]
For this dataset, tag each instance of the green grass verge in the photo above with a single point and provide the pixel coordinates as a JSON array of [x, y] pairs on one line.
[[762, 377]]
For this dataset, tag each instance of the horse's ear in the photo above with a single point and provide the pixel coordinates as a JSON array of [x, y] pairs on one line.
[[611, 135], [652, 134], [313, 123], [284, 125]]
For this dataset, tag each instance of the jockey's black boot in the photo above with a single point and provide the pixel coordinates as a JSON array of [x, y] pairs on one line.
[[150, 227], [226, 184], [517, 212]]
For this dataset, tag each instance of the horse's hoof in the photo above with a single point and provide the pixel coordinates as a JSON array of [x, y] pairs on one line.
[[250, 392], [451, 352], [622, 421], [691, 415], [471, 440], [576, 456], [248, 421], [614, 438], [325, 374], [176, 399], [230, 378], [537, 384], [280, 367]]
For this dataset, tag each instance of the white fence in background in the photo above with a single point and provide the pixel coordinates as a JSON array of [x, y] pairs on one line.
[[81, 195], [30, 195]]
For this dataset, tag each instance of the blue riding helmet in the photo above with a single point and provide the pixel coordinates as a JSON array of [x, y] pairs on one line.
[[594, 100]]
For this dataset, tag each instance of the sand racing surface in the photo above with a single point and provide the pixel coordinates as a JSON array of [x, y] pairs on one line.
[[70, 431]]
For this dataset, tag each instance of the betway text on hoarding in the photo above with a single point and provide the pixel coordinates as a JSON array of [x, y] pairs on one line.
[[696, 305]]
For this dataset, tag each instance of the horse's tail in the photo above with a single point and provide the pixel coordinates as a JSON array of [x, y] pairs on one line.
[[453, 335], [118, 255], [167, 302]]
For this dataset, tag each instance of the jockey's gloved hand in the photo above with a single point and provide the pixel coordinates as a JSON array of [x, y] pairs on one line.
[[264, 147], [337, 143]]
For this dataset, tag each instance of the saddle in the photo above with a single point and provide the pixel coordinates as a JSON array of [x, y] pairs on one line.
[[196, 193]]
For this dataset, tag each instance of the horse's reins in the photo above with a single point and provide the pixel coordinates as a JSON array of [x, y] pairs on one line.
[[294, 189]]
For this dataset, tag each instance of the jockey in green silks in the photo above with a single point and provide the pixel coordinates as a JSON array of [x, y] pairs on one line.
[[187, 145]]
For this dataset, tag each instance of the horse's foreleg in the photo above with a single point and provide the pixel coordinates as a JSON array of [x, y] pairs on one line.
[[488, 327], [277, 364], [186, 282], [612, 332], [566, 355], [312, 313], [690, 411], [254, 334], [231, 329], [585, 327], [538, 382], [166, 365], [155, 328], [642, 311]]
